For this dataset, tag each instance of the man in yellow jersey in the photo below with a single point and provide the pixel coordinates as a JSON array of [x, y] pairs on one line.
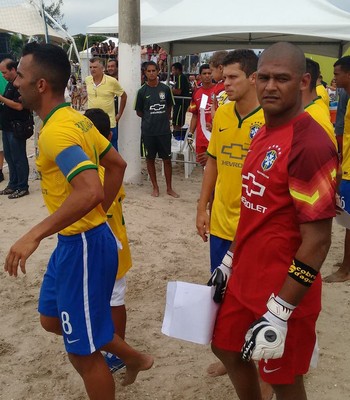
[[316, 111], [322, 98], [322, 91], [116, 221], [75, 295], [101, 91], [342, 78], [234, 126]]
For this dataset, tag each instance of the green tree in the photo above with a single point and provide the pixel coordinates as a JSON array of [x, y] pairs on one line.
[[54, 10]]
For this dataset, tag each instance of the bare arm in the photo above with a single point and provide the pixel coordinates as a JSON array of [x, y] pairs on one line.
[[208, 186], [193, 123], [316, 240], [87, 193], [11, 103], [114, 166], [123, 99]]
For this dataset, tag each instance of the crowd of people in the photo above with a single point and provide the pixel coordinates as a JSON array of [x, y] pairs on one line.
[[261, 130]]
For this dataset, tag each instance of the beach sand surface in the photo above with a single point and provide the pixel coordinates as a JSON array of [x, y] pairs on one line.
[[165, 247]]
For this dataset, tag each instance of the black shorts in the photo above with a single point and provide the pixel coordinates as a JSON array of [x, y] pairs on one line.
[[160, 145]]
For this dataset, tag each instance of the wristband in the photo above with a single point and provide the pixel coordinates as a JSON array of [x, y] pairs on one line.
[[302, 273], [279, 308], [227, 260]]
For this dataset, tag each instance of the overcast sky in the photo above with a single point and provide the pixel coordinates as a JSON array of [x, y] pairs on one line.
[[78, 14]]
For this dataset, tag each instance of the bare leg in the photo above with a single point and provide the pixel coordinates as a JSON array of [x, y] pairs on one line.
[[291, 392], [119, 320], [219, 369], [151, 168], [343, 273], [98, 381], [243, 375], [134, 360], [168, 174]]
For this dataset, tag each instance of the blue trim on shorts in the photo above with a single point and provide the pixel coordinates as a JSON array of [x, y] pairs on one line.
[[218, 249], [344, 192], [77, 288]]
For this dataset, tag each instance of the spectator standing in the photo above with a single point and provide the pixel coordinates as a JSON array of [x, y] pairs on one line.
[[15, 146], [3, 83], [101, 90], [201, 121], [181, 88], [153, 105]]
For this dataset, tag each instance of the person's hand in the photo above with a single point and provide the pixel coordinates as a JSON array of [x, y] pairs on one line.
[[266, 337], [221, 276], [19, 253], [202, 158], [202, 223], [117, 118]]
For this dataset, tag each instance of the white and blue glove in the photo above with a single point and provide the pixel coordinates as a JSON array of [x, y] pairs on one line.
[[266, 337], [220, 277]]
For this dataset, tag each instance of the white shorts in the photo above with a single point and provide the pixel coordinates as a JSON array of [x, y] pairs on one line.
[[119, 290]]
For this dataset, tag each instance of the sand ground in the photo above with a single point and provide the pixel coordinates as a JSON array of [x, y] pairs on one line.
[[165, 246]]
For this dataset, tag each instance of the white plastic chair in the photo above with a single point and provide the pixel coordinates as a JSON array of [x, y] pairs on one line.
[[181, 148]]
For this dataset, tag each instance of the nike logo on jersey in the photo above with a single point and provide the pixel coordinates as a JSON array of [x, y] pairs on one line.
[[147, 97], [222, 129], [72, 341], [270, 371]]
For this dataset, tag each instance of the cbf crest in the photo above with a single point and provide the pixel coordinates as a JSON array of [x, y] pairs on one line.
[[162, 95], [271, 156], [254, 129]]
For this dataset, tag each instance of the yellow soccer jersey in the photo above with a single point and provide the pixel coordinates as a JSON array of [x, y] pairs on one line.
[[319, 115], [322, 92], [116, 221], [68, 144], [346, 145], [102, 95], [229, 143]]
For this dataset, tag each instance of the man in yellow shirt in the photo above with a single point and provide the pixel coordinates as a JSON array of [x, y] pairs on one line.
[[317, 112], [75, 295], [342, 78], [101, 91]]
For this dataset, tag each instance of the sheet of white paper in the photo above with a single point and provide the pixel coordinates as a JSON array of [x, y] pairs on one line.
[[343, 218], [202, 120], [190, 312]]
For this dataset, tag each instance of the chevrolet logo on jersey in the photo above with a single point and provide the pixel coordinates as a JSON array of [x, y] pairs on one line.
[[251, 185], [157, 107], [235, 151]]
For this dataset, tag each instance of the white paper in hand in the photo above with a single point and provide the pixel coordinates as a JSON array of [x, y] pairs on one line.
[[190, 312]]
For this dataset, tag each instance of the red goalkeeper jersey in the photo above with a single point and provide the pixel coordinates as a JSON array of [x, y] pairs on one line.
[[289, 179]]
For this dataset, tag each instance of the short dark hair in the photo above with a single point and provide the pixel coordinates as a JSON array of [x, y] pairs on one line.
[[10, 64], [218, 58], [313, 68], [114, 60], [246, 58], [100, 119], [52, 64], [203, 66], [151, 63], [178, 66], [344, 63]]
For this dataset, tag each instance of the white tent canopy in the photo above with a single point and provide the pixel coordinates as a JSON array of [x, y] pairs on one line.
[[25, 19], [188, 26]]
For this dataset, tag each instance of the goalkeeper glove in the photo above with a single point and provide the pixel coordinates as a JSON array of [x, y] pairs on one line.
[[266, 337], [220, 277]]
